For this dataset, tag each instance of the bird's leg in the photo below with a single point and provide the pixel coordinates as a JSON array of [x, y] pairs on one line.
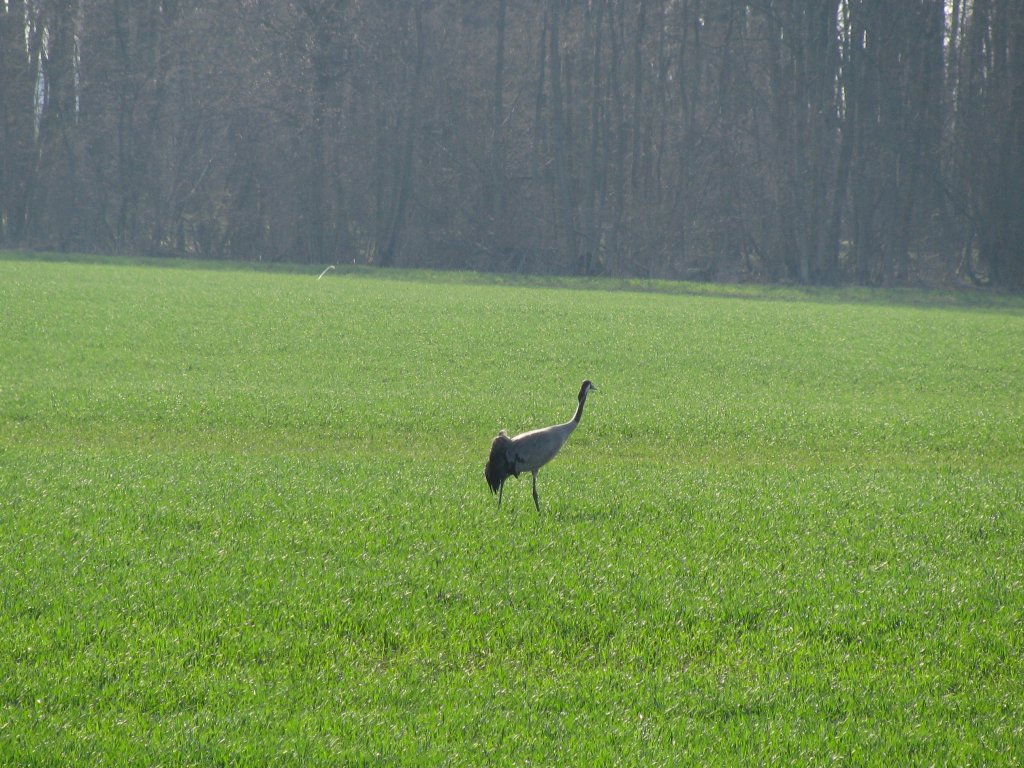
[[501, 490], [535, 499]]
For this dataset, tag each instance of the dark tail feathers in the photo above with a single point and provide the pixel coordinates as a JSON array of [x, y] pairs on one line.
[[499, 466]]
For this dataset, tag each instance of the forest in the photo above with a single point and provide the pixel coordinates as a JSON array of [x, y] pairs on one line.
[[816, 142]]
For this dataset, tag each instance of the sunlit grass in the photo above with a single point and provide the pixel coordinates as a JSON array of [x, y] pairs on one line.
[[244, 521]]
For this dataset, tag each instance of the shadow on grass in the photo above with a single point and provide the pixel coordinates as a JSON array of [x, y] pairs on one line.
[[963, 297]]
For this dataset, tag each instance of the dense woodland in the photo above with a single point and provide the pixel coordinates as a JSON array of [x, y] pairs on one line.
[[812, 141]]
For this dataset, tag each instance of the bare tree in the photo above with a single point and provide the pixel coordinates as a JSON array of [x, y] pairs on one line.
[[819, 142]]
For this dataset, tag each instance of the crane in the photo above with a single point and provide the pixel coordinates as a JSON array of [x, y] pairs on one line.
[[531, 450]]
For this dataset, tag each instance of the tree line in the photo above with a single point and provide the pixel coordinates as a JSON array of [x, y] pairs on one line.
[[812, 141]]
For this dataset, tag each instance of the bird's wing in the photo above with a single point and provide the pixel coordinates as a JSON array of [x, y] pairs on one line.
[[532, 450]]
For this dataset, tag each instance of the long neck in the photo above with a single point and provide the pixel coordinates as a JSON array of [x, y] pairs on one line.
[[579, 409]]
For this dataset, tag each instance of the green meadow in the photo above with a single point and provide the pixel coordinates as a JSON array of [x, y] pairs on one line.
[[243, 521]]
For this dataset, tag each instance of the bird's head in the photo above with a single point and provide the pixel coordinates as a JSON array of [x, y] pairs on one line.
[[587, 387]]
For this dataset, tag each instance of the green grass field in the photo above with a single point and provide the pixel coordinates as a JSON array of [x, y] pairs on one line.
[[243, 521]]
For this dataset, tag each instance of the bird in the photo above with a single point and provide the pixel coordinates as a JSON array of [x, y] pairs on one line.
[[531, 450]]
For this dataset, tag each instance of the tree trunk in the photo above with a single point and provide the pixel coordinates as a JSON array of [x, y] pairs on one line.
[[404, 180], [563, 181], [498, 181], [16, 123]]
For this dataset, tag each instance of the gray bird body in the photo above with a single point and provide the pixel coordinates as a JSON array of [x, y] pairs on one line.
[[530, 451]]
